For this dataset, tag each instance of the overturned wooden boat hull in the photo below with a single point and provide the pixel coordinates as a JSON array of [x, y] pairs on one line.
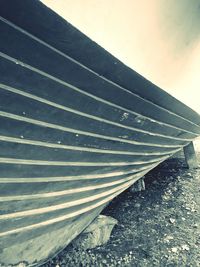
[[77, 128]]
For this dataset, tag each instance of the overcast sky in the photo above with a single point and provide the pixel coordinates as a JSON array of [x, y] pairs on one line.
[[159, 39]]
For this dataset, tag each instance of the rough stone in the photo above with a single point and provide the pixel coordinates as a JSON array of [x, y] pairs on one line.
[[96, 234]]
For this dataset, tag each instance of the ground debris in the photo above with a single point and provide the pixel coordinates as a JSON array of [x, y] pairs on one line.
[[185, 247], [171, 220], [174, 249], [156, 227]]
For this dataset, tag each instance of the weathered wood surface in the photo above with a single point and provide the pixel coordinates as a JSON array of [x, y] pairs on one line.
[[77, 127], [190, 156], [59, 34], [138, 186]]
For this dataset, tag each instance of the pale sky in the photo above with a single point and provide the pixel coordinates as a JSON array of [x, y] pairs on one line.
[[159, 39]]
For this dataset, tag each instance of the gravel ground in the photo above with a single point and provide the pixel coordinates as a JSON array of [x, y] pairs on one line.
[[157, 227]]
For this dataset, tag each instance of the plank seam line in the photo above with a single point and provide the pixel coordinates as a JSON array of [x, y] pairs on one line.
[[62, 163], [65, 217], [74, 131], [77, 177], [69, 204], [50, 103], [90, 70], [62, 218], [68, 147], [42, 73]]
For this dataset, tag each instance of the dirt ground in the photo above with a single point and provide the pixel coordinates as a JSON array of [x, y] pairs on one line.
[[156, 227]]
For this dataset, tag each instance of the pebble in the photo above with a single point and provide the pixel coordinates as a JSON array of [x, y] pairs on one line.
[[137, 205], [168, 238], [185, 247], [22, 264], [174, 249], [171, 220]]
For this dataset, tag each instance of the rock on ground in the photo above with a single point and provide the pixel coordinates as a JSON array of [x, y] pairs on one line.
[[96, 234], [157, 227]]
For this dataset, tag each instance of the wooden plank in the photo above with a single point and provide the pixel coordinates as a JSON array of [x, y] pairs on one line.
[[31, 108], [41, 243], [190, 156], [25, 130], [32, 83], [33, 152], [56, 67], [50, 186], [58, 33], [33, 171], [30, 188]]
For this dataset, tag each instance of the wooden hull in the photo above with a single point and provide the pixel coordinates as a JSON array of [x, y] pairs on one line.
[[77, 128]]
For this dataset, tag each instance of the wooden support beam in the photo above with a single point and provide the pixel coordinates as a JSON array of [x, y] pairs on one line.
[[190, 156], [138, 186]]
